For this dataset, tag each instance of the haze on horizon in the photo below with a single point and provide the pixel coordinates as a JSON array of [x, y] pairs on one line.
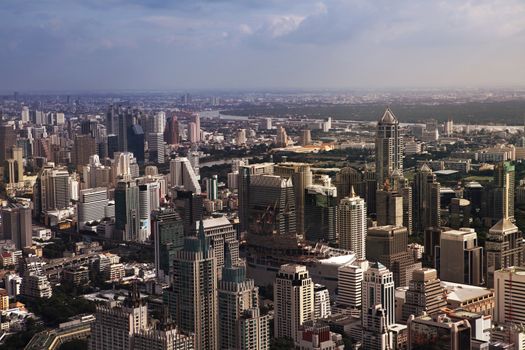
[[276, 44]]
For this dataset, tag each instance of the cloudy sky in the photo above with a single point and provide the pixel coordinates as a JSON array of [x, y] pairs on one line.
[[225, 44]]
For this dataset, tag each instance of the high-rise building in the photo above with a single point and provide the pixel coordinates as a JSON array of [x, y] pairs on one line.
[[239, 302], [389, 147], [127, 217], [378, 289], [293, 300], [116, 325], [389, 205], [192, 297], [212, 188], [182, 175], [509, 286], [92, 205], [349, 284], [165, 336], [168, 237], [424, 294], [316, 335], [125, 121], [55, 189], [460, 259], [96, 174], [504, 247], [246, 173], [135, 137], [84, 147], [504, 174], [281, 139], [351, 224], [171, 133], [7, 140], [156, 126], [349, 178], [388, 245], [271, 210], [14, 167], [240, 139], [322, 308], [112, 120], [301, 176], [320, 214], [17, 225], [190, 206], [306, 137], [426, 196]]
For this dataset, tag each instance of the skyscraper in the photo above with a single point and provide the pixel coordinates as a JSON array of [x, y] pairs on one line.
[[504, 247], [168, 237], [171, 133], [127, 218], [509, 284], [84, 147], [192, 297], [182, 174], [351, 224], [7, 140], [349, 284], [460, 259], [426, 196], [16, 225], [211, 187], [246, 173], [389, 147], [320, 214], [293, 300], [378, 289], [92, 205], [156, 128], [55, 188], [239, 296], [504, 174], [424, 294], [136, 141], [281, 139], [389, 206]]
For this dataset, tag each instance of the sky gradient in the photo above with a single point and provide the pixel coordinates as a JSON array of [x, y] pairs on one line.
[[260, 44]]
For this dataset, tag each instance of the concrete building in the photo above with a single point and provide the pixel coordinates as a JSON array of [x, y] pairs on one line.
[[92, 205], [183, 175], [424, 294], [192, 298], [378, 290], [322, 308], [17, 225], [389, 147], [504, 247], [351, 224], [35, 285], [460, 259], [389, 207], [246, 173], [293, 300], [320, 214], [127, 210], [440, 331], [168, 237], [509, 288], [349, 284], [315, 335], [426, 197]]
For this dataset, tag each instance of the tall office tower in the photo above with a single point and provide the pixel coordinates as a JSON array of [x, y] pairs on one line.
[[127, 217], [240, 139], [112, 145], [351, 224], [92, 205], [145, 208], [192, 297], [222, 237], [459, 258], [402, 186], [427, 201], [378, 289], [389, 206], [156, 126], [322, 308], [438, 332], [267, 123], [14, 166], [306, 137], [190, 205], [96, 174], [281, 139], [448, 127], [370, 188], [193, 134], [171, 133], [116, 325], [16, 225], [125, 122], [212, 188], [167, 229], [301, 176], [246, 173], [136, 142], [504, 247], [197, 121], [165, 336], [389, 147], [349, 284], [112, 120], [509, 284], [388, 245], [55, 189], [7, 140], [271, 209], [320, 214], [237, 296], [504, 174], [37, 117], [84, 147], [375, 334], [182, 175], [124, 166], [349, 178], [293, 300], [460, 213], [424, 294], [24, 115]]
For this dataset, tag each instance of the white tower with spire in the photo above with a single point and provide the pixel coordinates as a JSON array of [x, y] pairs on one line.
[[351, 224]]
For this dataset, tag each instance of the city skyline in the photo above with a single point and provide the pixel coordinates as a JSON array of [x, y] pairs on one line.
[[137, 45]]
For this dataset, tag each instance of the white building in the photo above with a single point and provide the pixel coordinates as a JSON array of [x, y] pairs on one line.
[[182, 174], [351, 224], [350, 280]]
